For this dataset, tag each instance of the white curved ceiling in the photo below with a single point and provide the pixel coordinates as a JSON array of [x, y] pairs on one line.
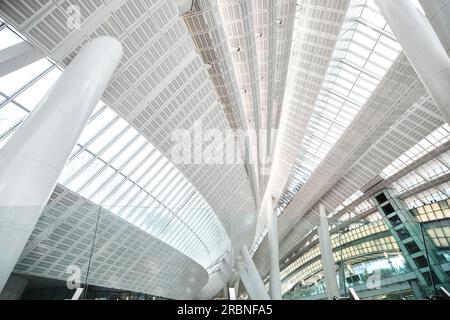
[[329, 74]]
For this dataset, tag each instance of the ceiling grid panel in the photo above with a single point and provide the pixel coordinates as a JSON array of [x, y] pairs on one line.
[[317, 26], [238, 21], [265, 28], [286, 17], [316, 29], [207, 30]]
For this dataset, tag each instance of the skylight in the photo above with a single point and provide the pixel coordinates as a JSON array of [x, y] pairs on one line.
[[364, 52], [427, 144], [364, 206], [432, 195], [433, 169], [347, 201]]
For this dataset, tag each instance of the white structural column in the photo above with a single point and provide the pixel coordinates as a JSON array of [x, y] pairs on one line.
[[231, 293], [272, 234], [226, 292], [329, 268], [256, 283], [18, 56], [33, 158], [236, 287], [438, 13], [243, 274], [422, 47]]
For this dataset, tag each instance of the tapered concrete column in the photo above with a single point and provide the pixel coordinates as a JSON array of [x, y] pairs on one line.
[[341, 273], [243, 274], [33, 158], [231, 293], [236, 287], [416, 289], [272, 234], [329, 269], [256, 282], [14, 288], [225, 292], [438, 13], [422, 47]]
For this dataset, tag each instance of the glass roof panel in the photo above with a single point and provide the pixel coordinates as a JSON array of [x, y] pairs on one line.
[[120, 144], [10, 114], [8, 38], [427, 144], [431, 170], [36, 92], [14, 81], [438, 193]]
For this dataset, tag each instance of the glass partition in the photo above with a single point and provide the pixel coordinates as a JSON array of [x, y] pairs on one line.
[[409, 262]]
